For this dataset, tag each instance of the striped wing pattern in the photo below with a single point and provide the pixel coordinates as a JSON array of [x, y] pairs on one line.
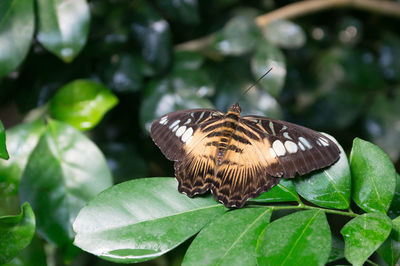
[[235, 157]]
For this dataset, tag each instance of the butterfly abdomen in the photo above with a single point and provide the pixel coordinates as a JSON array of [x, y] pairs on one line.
[[227, 130]]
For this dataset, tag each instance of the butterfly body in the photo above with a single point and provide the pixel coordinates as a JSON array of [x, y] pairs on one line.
[[237, 157]]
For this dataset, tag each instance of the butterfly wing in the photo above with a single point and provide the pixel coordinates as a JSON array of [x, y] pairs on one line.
[[262, 151], [180, 137], [297, 149], [177, 133]]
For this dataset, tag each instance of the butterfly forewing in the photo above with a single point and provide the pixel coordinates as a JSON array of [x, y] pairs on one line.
[[297, 149], [176, 133]]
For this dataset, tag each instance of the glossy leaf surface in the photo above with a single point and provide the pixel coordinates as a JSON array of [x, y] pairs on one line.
[[374, 177], [82, 103], [153, 34], [284, 191], [215, 245], [16, 31], [16, 233], [363, 235], [63, 26], [21, 140], [32, 255], [330, 187], [141, 219], [239, 36], [265, 57], [3, 147], [299, 238], [64, 171], [394, 210], [285, 34]]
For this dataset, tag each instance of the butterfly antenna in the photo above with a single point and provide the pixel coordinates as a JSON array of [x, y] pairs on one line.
[[254, 84]]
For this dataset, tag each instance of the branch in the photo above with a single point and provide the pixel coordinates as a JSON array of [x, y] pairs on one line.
[[302, 8]]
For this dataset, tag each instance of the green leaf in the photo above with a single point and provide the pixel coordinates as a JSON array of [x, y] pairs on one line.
[[374, 177], [16, 31], [16, 233], [390, 249], [283, 192], [330, 187], [239, 36], [141, 219], [234, 245], [381, 117], [21, 140], [337, 251], [363, 235], [285, 34], [64, 171], [394, 210], [299, 238], [180, 11], [265, 57], [58, 32], [153, 34], [32, 255], [82, 103], [3, 148]]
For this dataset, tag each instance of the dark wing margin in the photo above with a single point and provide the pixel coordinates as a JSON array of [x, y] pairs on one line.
[[171, 132], [298, 149]]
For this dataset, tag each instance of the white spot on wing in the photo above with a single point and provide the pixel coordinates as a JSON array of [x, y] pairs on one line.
[[271, 126], [180, 131], [301, 146], [283, 128], [186, 136], [176, 122], [323, 141], [306, 143], [188, 121], [291, 147], [164, 120], [286, 135], [175, 128], [278, 148]]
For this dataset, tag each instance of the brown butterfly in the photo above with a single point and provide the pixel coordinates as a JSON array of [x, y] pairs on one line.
[[236, 157]]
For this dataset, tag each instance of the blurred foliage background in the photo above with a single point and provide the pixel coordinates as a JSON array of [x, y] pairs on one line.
[[335, 69]]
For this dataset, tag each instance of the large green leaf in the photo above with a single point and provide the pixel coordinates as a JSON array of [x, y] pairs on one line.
[[32, 255], [239, 36], [21, 140], [237, 232], [284, 191], [63, 26], [16, 233], [299, 238], [390, 249], [141, 219], [3, 148], [363, 235], [266, 56], [64, 171], [374, 177], [285, 34], [82, 103], [16, 31], [329, 188], [153, 34]]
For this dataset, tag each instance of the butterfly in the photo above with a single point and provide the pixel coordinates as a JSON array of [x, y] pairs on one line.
[[237, 157]]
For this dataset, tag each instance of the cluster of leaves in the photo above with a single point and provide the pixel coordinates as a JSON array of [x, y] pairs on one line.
[[344, 79]]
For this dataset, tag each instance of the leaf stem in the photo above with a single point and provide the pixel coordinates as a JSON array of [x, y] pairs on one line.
[[302, 8], [372, 263], [306, 207]]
